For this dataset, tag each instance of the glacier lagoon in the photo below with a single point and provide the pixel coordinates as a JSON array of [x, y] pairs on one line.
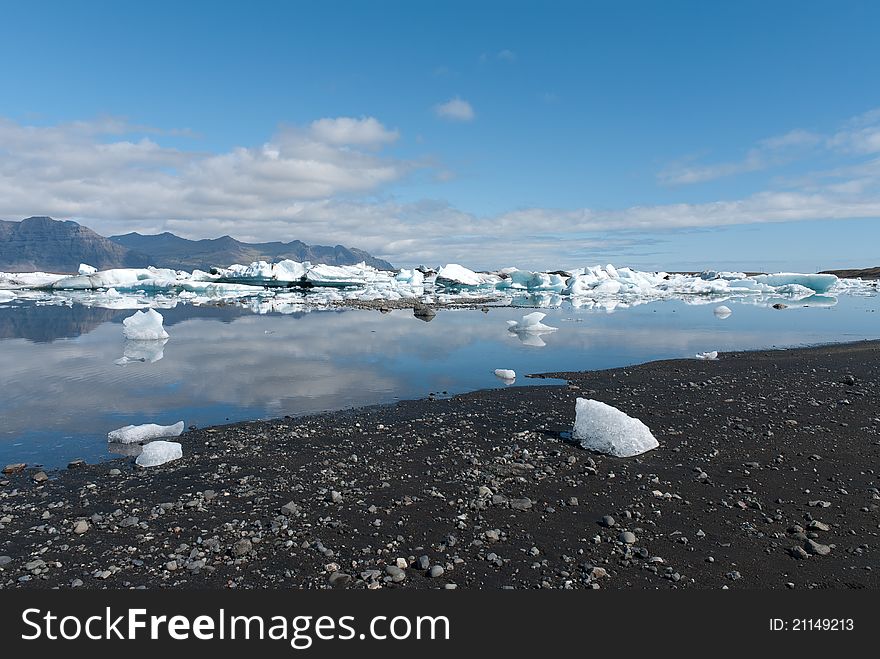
[[70, 376]]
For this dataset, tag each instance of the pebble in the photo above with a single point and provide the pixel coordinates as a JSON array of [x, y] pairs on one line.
[[521, 504], [290, 509], [608, 521], [41, 477], [81, 527], [627, 537], [817, 548], [436, 571], [5, 560], [397, 575], [14, 468], [242, 547]]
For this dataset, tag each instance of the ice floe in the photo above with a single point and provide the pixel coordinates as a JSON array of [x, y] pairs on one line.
[[158, 453], [722, 311], [505, 374], [256, 284], [605, 429], [143, 433], [144, 326], [530, 323]]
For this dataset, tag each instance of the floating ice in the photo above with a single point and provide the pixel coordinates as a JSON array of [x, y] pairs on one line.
[[142, 351], [86, 269], [603, 287], [144, 432], [603, 428], [457, 274], [530, 323], [817, 283], [505, 373], [144, 326], [708, 355], [722, 311], [158, 453], [7, 296]]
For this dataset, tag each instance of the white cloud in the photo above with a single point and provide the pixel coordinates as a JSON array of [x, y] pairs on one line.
[[322, 184], [366, 131], [456, 109], [859, 135]]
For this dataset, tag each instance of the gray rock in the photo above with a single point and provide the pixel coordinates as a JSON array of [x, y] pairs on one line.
[[5, 560], [423, 562], [397, 575], [291, 509], [81, 527], [627, 537], [242, 548], [436, 571], [607, 521], [521, 504], [817, 548], [340, 580], [41, 477]]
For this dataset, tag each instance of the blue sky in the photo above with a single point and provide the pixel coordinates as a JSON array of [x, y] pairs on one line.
[[539, 134]]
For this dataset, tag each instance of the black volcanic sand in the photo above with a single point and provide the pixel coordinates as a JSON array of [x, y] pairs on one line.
[[766, 477]]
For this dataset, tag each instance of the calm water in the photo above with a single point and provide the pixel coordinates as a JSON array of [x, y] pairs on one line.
[[61, 389]]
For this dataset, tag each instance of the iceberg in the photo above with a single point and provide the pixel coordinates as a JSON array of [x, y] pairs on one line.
[[817, 283], [454, 274], [708, 355], [530, 323], [722, 311], [144, 326], [605, 429], [158, 453], [144, 432], [505, 374], [86, 269]]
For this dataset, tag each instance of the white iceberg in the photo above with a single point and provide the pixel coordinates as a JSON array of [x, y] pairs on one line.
[[144, 326], [158, 453], [505, 374], [457, 274], [86, 269], [722, 311], [603, 428], [530, 323], [144, 433], [708, 355]]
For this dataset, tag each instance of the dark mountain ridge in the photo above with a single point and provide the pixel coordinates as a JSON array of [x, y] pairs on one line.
[[42, 243]]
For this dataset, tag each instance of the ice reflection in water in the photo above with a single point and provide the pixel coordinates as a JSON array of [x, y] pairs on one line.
[[64, 389]]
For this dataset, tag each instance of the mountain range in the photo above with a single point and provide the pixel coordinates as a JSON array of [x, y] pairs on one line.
[[45, 244]]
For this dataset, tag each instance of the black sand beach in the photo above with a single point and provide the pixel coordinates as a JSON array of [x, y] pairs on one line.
[[766, 477]]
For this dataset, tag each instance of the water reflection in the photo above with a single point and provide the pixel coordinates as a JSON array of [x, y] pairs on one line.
[[63, 390]]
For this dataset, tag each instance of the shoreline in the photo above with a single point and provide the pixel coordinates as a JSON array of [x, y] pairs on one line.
[[483, 491]]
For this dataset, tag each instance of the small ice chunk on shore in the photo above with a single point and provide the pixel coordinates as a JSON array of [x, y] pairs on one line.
[[158, 453], [505, 373], [144, 326], [603, 428], [144, 432], [722, 311], [708, 355]]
